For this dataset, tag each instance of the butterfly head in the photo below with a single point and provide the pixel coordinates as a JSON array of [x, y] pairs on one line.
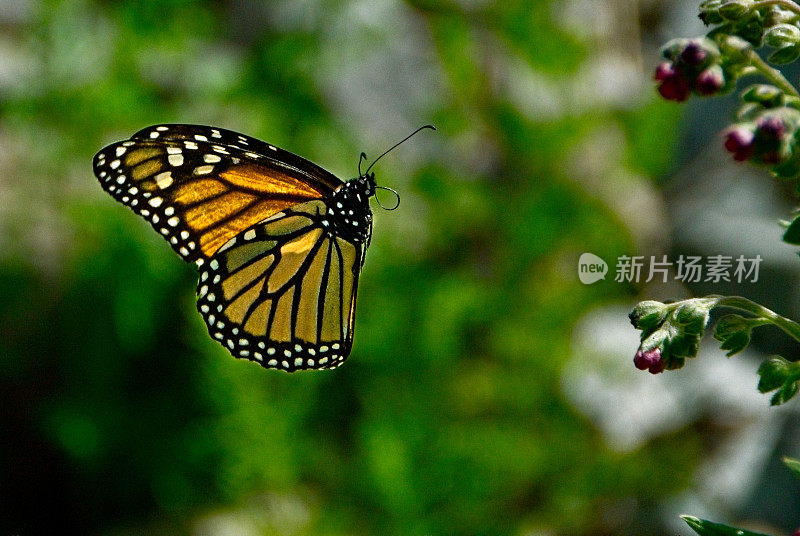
[[370, 187]]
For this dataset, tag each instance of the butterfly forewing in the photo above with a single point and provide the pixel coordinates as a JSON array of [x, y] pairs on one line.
[[252, 147], [283, 292], [197, 193]]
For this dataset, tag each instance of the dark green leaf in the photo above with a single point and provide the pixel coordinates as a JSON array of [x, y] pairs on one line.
[[785, 55], [733, 331], [793, 465], [784, 394], [782, 35], [734, 9], [648, 315], [736, 343], [764, 94], [792, 234], [708, 528], [773, 372]]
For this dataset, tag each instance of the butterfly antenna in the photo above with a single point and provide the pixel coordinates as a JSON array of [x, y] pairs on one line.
[[396, 197], [361, 159], [395, 145]]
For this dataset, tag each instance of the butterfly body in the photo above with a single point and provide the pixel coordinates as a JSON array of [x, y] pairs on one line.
[[279, 241]]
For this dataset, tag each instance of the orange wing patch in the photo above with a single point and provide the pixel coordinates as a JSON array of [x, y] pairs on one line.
[[199, 196]]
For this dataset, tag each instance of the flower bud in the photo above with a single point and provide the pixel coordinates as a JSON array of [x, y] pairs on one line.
[[739, 141], [709, 81], [674, 85], [734, 10], [649, 360], [693, 54], [771, 127], [664, 71]]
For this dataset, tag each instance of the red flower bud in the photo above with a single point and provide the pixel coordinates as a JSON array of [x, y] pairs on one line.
[[709, 81], [771, 127], [693, 54], [676, 89], [739, 141], [664, 71], [649, 360]]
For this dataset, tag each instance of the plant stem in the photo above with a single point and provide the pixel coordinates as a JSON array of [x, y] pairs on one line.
[[791, 327], [773, 75], [785, 4]]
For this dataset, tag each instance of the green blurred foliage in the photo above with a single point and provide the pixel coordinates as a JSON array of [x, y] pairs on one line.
[[121, 416]]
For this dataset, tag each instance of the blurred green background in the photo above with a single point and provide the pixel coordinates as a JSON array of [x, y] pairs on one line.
[[463, 408]]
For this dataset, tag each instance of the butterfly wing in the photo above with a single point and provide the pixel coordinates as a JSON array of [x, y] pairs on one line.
[[283, 292], [289, 162], [201, 186]]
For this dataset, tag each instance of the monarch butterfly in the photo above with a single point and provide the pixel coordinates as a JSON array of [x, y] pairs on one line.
[[279, 241]]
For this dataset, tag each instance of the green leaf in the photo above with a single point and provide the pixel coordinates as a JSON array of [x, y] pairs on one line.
[[707, 528], [792, 234], [785, 55], [709, 12], [648, 315], [733, 331], [793, 465], [774, 372], [782, 35], [735, 9], [764, 94], [736, 343], [784, 394]]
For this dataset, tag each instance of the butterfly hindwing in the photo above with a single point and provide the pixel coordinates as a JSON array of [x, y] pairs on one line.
[[200, 193], [283, 292]]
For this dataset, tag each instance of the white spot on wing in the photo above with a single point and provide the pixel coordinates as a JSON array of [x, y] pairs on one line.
[[164, 179]]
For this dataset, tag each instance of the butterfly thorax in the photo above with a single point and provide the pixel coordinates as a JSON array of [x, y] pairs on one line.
[[349, 212]]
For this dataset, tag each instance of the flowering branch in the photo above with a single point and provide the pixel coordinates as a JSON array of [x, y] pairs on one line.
[[766, 133], [671, 333]]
